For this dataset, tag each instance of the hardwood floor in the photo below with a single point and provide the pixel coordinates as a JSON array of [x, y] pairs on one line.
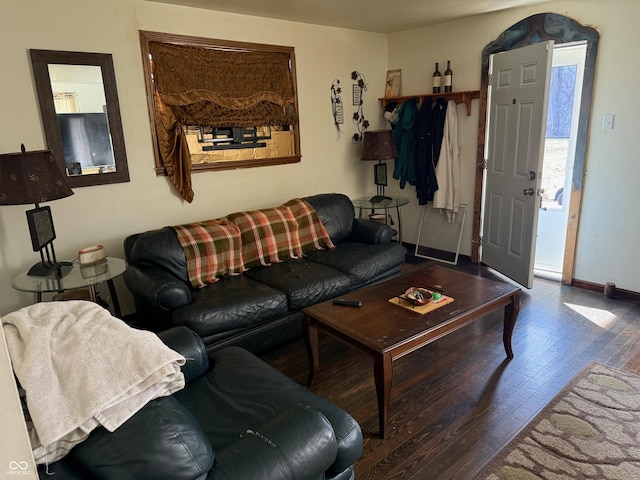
[[457, 402]]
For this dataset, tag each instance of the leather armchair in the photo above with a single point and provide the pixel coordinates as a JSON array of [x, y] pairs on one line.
[[237, 418]]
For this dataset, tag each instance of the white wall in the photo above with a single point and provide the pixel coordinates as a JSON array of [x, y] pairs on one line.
[[609, 227], [106, 214]]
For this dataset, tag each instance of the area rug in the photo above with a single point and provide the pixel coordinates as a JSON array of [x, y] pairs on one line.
[[590, 430]]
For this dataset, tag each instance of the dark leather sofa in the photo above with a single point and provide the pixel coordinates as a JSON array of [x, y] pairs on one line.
[[237, 418], [262, 307]]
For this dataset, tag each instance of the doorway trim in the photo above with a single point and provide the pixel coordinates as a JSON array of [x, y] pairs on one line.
[[534, 29]]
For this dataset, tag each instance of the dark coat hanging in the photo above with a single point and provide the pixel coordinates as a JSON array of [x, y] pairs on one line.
[[429, 131], [405, 139]]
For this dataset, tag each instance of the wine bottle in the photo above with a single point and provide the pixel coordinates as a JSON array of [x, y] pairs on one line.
[[437, 77], [448, 78]]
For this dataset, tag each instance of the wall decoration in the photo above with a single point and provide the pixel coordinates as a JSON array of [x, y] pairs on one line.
[[357, 95], [392, 88], [358, 116], [85, 126], [251, 94], [337, 107]]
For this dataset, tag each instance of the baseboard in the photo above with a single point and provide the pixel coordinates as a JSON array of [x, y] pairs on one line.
[[598, 287]]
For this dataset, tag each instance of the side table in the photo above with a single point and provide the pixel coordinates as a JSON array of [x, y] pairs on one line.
[[382, 203], [75, 277]]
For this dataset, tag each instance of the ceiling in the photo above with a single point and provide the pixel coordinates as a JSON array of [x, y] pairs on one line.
[[382, 16]]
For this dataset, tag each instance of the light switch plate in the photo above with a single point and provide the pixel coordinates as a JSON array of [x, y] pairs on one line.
[[607, 122]]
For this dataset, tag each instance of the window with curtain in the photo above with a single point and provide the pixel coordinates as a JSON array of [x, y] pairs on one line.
[[66, 102], [219, 105]]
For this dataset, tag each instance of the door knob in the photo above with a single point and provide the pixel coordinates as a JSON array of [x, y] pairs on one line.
[[528, 191]]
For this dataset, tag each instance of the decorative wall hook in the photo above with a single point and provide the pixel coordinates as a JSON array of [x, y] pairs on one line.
[[337, 106], [358, 116]]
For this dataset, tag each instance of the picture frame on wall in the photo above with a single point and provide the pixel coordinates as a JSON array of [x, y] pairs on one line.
[[392, 88]]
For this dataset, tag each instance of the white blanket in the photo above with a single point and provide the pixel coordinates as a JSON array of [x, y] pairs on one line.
[[81, 368]]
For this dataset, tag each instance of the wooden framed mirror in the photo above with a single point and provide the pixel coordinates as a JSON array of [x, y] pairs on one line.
[[81, 115]]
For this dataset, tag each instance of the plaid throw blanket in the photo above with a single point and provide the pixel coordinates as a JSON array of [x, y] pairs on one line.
[[311, 231], [213, 248], [268, 236], [230, 245]]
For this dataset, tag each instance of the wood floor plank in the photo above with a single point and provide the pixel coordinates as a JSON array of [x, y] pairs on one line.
[[457, 402]]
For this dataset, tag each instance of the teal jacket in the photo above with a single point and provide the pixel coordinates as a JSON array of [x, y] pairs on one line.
[[405, 139]]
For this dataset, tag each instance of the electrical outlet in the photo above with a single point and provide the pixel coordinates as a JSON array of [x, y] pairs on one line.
[[607, 122]]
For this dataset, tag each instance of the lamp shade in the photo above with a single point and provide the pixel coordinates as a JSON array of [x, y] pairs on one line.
[[31, 177], [378, 146]]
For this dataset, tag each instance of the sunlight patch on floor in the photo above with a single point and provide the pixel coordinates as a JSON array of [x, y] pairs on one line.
[[602, 318]]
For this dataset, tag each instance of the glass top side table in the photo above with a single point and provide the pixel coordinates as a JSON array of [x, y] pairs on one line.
[[75, 277], [382, 203]]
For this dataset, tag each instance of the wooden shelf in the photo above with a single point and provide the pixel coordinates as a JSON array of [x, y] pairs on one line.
[[458, 97]]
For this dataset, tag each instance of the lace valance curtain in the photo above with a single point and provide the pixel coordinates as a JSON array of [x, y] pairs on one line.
[[196, 85]]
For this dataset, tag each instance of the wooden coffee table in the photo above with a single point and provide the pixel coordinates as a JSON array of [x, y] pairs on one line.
[[388, 332]]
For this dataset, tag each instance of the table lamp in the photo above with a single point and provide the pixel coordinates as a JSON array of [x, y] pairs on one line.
[[379, 146], [35, 177]]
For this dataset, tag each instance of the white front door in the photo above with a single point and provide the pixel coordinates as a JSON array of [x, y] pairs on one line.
[[517, 116]]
